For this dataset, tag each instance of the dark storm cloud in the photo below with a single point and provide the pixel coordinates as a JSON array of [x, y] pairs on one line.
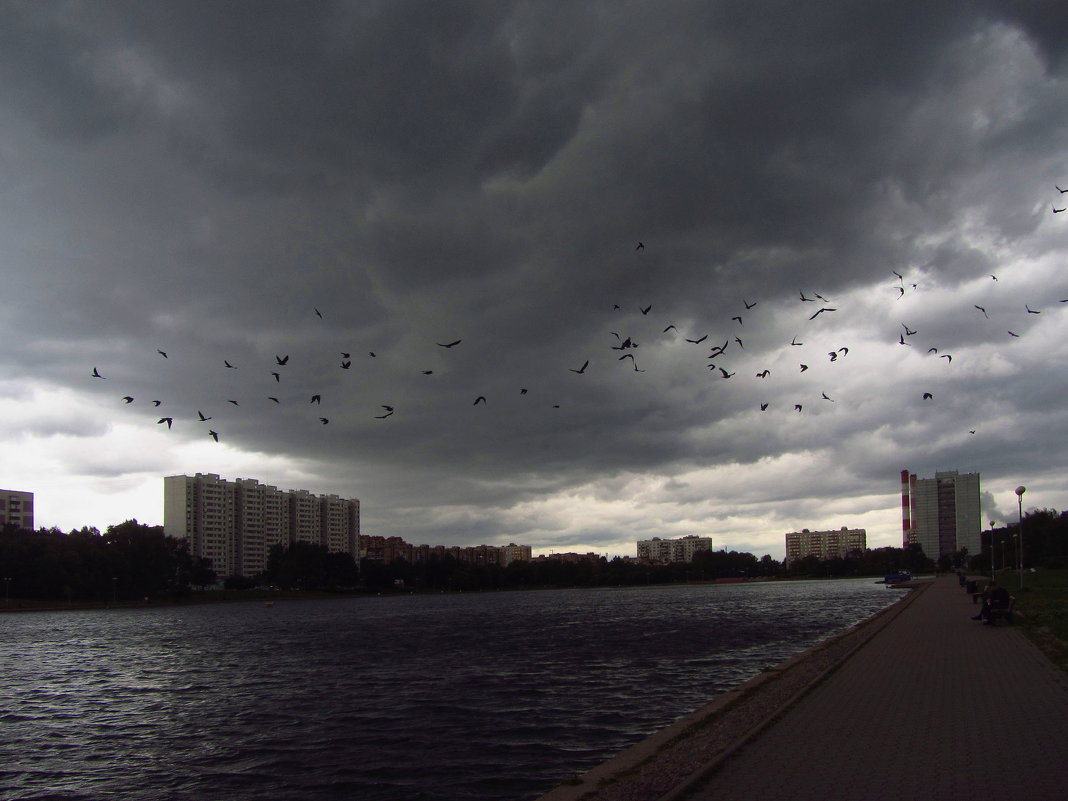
[[201, 177]]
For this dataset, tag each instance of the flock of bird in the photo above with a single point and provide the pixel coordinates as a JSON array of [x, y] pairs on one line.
[[623, 346]]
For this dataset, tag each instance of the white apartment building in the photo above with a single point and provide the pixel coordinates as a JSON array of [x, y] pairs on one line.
[[235, 524], [833, 544], [513, 553], [667, 551], [944, 513], [16, 508]]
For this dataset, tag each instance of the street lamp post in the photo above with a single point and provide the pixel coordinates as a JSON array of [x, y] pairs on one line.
[[1019, 500], [993, 567]]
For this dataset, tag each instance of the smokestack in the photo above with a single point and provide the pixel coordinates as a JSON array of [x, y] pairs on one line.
[[906, 518]]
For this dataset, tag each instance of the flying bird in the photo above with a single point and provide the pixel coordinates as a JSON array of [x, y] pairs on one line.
[[824, 395], [200, 414], [281, 359], [749, 305], [1056, 210], [698, 341], [900, 277], [479, 399], [795, 342], [928, 396], [128, 399], [821, 311], [725, 373], [523, 391], [901, 340], [763, 407], [804, 367], [346, 365], [908, 332], [646, 310], [667, 329], [161, 353], [980, 308], [371, 353], [739, 319], [582, 369], [740, 345], [900, 292], [272, 398], [427, 372], [277, 377], [97, 375], [324, 420], [316, 399], [228, 365], [807, 300], [389, 411], [213, 434], [1030, 310], [994, 276], [319, 314], [1062, 191], [157, 403], [763, 374], [640, 246], [797, 407], [1014, 334], [346, 355], [947, 356], [167, 420], [451, 344]]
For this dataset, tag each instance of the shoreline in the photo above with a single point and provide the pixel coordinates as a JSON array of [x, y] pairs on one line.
[[665, 765]]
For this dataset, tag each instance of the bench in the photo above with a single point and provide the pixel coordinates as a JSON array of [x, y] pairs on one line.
[[997, 612]]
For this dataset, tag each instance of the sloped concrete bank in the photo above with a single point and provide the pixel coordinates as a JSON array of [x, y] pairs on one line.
[[665, 765]]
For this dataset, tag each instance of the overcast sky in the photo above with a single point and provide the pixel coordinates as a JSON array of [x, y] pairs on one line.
[[207, 179]]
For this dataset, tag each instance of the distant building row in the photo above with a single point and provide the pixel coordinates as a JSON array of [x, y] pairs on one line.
[[16, 508], [836, 544], [683, 549], [389, 549], [235, 523]]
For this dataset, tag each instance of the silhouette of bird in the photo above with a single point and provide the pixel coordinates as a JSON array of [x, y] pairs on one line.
[[161, 353], [900, 277], [324, 420], [1030, 310], [272, 398], [806, 300], [641, 246], [844, 350], [932, 350], [1062, 191], [233, 402], [427, 372], [346, 365], [200, 414], [971, 431], [740, 345], [646, 310], [479, 399], [948, 357], [522, 391], [213, 434], [993, 276], [763, 374], [1056, 210], [277, 377], [901, 340], [582, 369], [749, 305], [451, 344], [389, 411], [797, 407], [1014, 334], [928, 396], [725, 373], [95, 374], [717, 350], [824, 396], [316, 399], [821, 311], [157, 403], [167, 420], [281, 359], [627, 356], [795, 342], [698, 341], [980, 308], [668, 329], [908, 332], [229, 366], [834, 355], [900, 292], [763, 407], [804, 367], [371, 353], [128, 399], [319, 314], [739, 319], [346, 355]]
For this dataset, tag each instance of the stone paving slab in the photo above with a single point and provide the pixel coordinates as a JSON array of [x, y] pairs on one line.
[[934, 706]]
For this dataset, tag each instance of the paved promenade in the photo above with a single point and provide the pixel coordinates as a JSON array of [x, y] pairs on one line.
[[934, 706]]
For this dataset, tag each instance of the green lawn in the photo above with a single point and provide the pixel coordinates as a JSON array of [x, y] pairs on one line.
[[1042, 609]]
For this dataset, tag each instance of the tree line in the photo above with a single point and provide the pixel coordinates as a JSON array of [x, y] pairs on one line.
[[131, 561]]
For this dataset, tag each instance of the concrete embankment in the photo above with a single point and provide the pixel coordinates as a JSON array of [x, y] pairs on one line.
[[673, 760]]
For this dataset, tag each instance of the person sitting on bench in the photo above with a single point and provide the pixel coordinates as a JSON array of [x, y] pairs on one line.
[[997, 597]]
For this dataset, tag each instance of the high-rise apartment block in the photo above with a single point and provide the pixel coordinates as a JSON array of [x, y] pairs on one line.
[[16, 508], [834, 544], [235, 524], [665, 552], [942, 514]]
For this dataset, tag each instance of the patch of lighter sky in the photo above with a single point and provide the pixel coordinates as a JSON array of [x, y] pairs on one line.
[[101, 474]]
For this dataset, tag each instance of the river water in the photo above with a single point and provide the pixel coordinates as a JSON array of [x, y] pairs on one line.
[[482, 696]]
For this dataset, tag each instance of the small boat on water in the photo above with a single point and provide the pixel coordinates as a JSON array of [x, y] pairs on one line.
[[896, 578]]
